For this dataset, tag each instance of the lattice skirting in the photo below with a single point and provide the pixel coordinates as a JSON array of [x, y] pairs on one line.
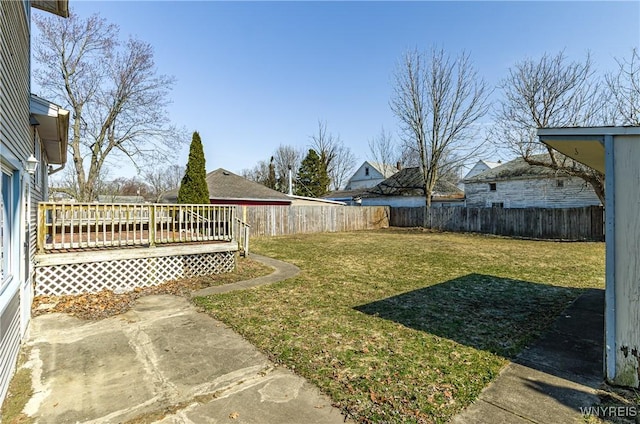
[[127, 274]]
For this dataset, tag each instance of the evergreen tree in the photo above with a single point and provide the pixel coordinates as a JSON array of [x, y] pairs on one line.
[[193, 188], [313, 180], [271, 181]]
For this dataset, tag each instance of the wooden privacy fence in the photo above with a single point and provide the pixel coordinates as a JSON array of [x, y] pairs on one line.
[[562, 224], [95, 225], [282, 220]]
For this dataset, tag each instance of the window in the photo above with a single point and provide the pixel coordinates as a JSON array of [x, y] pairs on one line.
[[559, 183], [492, 186], [6, 225], [366, 171], [39, 177], [497, 205]]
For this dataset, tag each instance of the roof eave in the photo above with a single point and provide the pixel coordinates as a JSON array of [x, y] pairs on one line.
[[53, 128], [57, 7], [583, 144], [248, 199]]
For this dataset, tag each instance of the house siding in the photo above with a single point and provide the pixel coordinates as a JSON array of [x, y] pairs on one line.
[[360, 179], [478, 168], [410, 202], [16, 145], [532, 193], [395, 201]]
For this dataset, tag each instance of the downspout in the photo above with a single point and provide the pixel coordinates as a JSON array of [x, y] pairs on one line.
[[52, 171]]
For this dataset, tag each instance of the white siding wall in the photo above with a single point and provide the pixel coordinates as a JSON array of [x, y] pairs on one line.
[[477, 168], [395, 201], [16, 145], [360, 179], [532, 193], [626, 248]]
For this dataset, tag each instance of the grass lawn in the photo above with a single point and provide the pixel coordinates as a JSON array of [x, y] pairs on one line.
[[407, 325]]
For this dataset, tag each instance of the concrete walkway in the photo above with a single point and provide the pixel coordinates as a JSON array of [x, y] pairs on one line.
[[165, 362], [552, 380], [282, 271]]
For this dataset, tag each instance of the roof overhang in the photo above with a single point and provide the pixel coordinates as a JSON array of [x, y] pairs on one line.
[[249, 199], [317, 200], [52, 127], [57, 7], [584, 144]]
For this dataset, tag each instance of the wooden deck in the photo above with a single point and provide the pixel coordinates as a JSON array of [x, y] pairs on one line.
[[68, 226], [83, 248]]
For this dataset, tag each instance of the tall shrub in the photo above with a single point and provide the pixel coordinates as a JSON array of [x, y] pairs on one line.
[[193, 188]]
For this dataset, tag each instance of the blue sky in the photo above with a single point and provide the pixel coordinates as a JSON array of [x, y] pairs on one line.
[[253, 75]]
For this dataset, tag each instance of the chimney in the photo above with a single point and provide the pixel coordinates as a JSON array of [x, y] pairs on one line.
[[399, 165]]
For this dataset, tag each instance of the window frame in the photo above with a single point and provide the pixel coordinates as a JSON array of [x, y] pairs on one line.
[[10, 192]]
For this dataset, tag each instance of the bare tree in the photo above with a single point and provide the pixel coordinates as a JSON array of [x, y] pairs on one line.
[[259, 173], [624, 89], [384, 150], [337, 159], [275, 173], [438, 101], [118, 100], [549, 92], [286, 158], [161, 179]]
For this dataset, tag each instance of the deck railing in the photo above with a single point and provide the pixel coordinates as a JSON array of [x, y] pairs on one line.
[[242, 232], [64, 226]]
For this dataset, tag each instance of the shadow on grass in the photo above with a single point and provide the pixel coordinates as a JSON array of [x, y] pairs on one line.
[[553, 330], [489, 313]]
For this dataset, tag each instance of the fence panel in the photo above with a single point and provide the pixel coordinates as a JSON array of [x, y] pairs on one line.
[[563, 224], [284, 220]]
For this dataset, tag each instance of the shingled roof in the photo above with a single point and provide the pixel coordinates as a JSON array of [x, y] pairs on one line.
[[517, 169], [408, 182], [226, 186]]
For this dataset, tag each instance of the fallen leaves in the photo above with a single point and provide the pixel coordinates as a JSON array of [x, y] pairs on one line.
[[107, 303]]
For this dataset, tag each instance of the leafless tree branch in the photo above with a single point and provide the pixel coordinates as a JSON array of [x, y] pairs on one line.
[[117, 98]]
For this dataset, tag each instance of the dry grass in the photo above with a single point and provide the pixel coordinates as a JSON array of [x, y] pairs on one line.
[[407, 326], [18, 394]]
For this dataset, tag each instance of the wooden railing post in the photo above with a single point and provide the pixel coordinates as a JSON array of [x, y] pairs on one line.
[[245, 246], [41, 231], [152, 225]]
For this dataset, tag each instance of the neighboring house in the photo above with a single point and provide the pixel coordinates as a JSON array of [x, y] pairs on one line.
[[481, 166], [34, 132], [369, 175], [403, 189], [107, 198], [516, 184], [348, 197], [227, 188]]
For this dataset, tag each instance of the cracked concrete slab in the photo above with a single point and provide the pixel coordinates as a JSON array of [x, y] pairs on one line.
[[162, 361]]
